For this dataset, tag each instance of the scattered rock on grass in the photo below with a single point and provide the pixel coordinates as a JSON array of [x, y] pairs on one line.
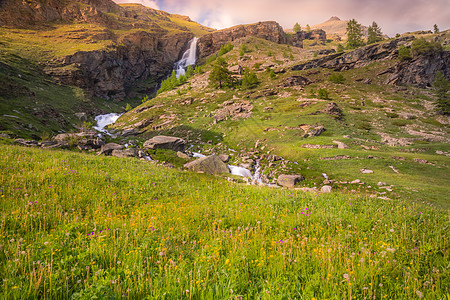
[[165, 142], [289, 180], [325, 189], [366, 171], [209, 164]]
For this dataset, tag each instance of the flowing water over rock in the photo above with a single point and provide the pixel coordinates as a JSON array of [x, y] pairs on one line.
[[189, 58], [105, 120]]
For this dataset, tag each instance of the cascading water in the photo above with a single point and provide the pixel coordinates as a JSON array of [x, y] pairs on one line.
[[105, 120], [188, 59]]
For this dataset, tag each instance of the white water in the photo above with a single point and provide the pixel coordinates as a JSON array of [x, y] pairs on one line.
[[239, 171], [195, 154], [189, 58], [105, 120]]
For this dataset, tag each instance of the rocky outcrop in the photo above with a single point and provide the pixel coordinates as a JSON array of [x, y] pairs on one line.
[[211, 43], [110, 74], [297, 38], [109, 148], [234, 111], [358, 58], [165, 142], [130, 152], [208, 164], [18, 13], [421, 70]]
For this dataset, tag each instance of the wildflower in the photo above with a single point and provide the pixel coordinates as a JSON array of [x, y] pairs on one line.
[[391, 230]]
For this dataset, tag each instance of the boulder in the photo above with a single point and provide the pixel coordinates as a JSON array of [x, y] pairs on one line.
[[23, 142], [340, 145], [108, 148], [165, 142], [325, 189], [89, 144], [333, 110], [64, 137], [182, 155], [209, 164], [366, 171], [130, 152], [224, 157], [289, 180]]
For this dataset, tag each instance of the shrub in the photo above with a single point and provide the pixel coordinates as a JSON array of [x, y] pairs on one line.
[[225, 49], [421, 47], [404, 53], [249, 80], [128, 107], [323, 94], [337, 78]]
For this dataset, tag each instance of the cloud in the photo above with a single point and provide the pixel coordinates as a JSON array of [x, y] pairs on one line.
[[149, 3], [391, 16]]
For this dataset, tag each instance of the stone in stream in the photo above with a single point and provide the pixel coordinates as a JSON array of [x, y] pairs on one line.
[[289, 180], [209, 164], [165, 142], [108, 148]]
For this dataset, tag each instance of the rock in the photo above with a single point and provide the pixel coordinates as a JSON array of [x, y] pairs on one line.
[[209, 164], [381, 183], [289, 180], [130, 152], [316, 130], [295, 80], [211, 42], [356, 181], [224, 157], [341, 145], [165, 142], [82, 116], [325, 189], [108, 148], [89, 144], [326, 181], [237, 69], [28, 143], [235, 111], [366, 171], [332, 109], [65, 137], [182, 155]]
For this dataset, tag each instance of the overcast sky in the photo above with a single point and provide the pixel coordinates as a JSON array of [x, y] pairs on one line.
[[393, 16]]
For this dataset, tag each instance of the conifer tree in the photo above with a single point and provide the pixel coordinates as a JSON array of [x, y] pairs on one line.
[[297, 28], [435, 28], [354, 34], [374, 33], [220, 76]]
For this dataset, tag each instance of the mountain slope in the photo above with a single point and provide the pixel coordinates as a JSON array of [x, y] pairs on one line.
[[336, 28]]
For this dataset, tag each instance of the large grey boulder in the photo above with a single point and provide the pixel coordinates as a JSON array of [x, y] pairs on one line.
[[209, 164], [165, 142], [130, 152], [109, 148], [289, 180]]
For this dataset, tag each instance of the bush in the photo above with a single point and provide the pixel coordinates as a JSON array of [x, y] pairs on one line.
[[404, 53], [421, 47], [225, 49], [249, 80], [337, 78], [323, 94], [441, 88]]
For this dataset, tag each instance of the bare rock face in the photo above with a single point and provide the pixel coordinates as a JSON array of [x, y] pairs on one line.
[[210, 43], [295, 80], [209, 165], [333, 110], [299, 37], [110, 74], [289, 180], [165, 142]]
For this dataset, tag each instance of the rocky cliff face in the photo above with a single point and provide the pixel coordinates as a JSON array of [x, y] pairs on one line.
[[316, 34], [419, 71], [19, 13], [211, 43], [110, 74]]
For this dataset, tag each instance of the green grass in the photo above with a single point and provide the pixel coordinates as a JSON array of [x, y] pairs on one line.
[[75, 225]]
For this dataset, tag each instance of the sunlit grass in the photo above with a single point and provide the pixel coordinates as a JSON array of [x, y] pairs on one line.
[[75, 225]]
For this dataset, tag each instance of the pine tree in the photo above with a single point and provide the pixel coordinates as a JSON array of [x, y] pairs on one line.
[[354, 34], [297, 28], [308, 29], [374, 33], [435, 28], [220, 76]]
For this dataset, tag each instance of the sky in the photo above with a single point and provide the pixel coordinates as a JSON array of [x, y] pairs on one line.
[[393, 16]]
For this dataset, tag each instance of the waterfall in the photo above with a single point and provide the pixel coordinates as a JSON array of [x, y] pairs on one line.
[[105, 120], [189, 58]]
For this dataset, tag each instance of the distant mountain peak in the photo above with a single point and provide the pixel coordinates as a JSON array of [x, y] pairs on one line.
[[334, 18]]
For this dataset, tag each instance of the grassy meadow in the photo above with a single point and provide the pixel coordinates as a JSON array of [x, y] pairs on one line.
[[80, 226]]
